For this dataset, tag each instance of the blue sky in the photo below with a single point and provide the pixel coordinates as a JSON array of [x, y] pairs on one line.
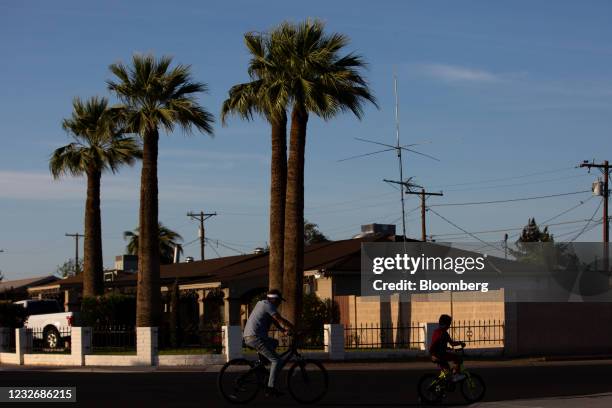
[[516, 92]]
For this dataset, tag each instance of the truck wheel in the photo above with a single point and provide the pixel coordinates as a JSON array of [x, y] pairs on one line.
[[52, 338]]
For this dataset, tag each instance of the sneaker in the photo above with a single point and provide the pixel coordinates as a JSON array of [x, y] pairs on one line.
[[457, 377], [273, 392]]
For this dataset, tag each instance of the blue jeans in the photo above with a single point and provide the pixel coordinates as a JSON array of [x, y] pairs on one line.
[[266, 347]]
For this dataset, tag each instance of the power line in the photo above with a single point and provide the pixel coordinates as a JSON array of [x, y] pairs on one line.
[[545, 222], [462, 229], [566, 211], [517, 184], [506, 178], [508, 229], [587, 224], [573, 231], [509, 200]]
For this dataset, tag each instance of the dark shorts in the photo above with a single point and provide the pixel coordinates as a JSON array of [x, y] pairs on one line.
[[443, 359]]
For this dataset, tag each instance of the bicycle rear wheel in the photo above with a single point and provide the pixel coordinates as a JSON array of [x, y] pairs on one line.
[[473, 388], [238, 382], [307, 381], [431, 389]]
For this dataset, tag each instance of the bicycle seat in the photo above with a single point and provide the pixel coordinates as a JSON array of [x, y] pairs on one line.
[[442, 364]]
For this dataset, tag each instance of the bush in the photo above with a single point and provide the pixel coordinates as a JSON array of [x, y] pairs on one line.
[[11, 315], [108, 310], [315, 314]]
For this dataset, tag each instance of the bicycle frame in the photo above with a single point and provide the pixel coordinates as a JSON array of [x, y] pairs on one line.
[[445, 375]]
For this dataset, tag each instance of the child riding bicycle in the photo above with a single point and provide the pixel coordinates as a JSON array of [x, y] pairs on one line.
[[439, 350]]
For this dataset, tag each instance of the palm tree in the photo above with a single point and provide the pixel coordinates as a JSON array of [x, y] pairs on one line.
[[315, 78], [259, 96], [155, 96], [98, 146], [168, 240]]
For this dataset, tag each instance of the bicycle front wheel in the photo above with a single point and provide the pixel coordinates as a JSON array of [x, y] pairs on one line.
[[238, 381], [473, 388], [307, 381], [431, 389]]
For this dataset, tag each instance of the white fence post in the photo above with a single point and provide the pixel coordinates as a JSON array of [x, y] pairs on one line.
[[81, 344], [429, 329], [333, 340], [232, 342], [146, 345], [422, 339], [22, 345]]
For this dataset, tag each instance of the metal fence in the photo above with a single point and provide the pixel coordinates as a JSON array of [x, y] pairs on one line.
[[307, 340], [190, 338], [113, 339], [373, 336], [8, 340], [478, 333], [49, 340], [310, 339]]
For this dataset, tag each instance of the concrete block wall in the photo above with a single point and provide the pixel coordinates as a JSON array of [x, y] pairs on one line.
[[146, 345], [81, 343], [109, 360]]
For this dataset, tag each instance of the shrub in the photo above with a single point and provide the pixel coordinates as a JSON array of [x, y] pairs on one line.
[[11, 315], [109, 310], [316, 313]]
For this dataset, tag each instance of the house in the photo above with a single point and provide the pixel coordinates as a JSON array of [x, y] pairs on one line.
[[223, 288], [18, 289]]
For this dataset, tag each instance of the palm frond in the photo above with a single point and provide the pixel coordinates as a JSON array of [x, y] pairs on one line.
[[157, 95]]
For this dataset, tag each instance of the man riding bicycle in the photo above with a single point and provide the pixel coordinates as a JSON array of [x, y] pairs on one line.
[[439, 348], [256, 333]]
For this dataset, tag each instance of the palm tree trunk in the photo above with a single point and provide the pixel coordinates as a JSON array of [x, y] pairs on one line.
[[294, 217], [93, 284], [278, 184], [148, 291]]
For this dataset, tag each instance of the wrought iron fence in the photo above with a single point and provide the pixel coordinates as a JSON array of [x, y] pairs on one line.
[[308, 340], [190, 338], [113, 339], [8, 340], [49, 339], [374, 336], [478, 333]]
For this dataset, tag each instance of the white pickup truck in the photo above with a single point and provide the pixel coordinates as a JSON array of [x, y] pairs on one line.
[[47, 321]]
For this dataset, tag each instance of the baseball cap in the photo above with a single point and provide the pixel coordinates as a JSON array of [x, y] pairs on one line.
[[275, 294]]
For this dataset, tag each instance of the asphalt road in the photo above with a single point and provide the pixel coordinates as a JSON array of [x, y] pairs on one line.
[[366, 385]]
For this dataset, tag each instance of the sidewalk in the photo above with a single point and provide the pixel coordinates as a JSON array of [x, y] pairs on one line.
[[330, 365], [591, 401]]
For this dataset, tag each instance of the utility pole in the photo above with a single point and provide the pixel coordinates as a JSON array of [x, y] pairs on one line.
[[406, 188], [201, 216], [76, 237], [423, 195], [605, 170]]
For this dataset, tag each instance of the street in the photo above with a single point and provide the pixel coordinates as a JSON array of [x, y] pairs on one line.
[[351, 384]]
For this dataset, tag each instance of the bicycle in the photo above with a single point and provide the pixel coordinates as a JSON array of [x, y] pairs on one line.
[[433, 388], [240, 380]]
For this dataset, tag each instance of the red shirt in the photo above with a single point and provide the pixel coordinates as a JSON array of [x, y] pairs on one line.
[[439, 342]]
